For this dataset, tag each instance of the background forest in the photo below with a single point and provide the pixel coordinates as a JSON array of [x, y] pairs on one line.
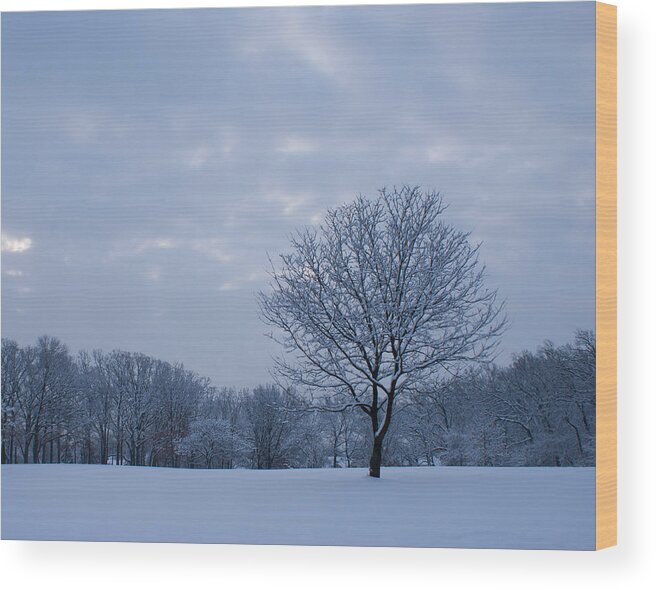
[[130, 408]]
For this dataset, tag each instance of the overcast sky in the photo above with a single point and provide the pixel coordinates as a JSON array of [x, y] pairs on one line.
[[151, 159]]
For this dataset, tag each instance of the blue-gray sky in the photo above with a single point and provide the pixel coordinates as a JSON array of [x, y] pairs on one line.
[[151, 159]]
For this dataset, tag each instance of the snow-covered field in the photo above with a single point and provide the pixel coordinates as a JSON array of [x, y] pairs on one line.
[[522, 507]]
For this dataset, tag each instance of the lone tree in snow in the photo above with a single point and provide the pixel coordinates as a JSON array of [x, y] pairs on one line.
[[382, 295]]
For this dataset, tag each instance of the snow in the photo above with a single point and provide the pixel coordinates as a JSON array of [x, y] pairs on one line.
[[504, 507]]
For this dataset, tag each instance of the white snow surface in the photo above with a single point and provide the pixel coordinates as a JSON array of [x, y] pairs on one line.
[[503, 507]]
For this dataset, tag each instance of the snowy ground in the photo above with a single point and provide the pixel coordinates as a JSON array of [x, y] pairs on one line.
[[546, 508]]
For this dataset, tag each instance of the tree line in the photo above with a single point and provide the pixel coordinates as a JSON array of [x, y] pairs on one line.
[[128, 408]]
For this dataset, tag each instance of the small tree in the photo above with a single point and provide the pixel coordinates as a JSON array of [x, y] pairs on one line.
[[383, 294]]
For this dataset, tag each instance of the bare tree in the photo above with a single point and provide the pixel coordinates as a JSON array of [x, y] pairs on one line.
[[546, 402], [383, 294], [272, 421], [339, 429], [177, 394], [96, 384], [209, 439], [14, 369]]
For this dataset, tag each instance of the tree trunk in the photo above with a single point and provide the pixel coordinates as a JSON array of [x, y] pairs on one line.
[[376, 457], [36, 449], [103, 447], [379, 434]]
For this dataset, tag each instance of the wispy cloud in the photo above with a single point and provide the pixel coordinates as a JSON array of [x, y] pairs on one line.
[[155, 244], [294, 144], [197, 157], [16, 245], [249, 279], [154, 274], [131, 247], [289, 203], [317, 218], [298, 35], [213, 248]]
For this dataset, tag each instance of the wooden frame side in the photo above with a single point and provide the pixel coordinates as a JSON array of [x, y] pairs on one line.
[[606, 274]]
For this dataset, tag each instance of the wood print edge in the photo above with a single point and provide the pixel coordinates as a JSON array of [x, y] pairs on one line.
[[606, 274]]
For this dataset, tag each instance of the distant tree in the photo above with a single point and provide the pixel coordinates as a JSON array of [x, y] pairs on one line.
[[538, 410], [178, 394], [271, 427], [43, 402], [576, 368], [343, 436], [96, 386], [426, 423], [133, 376], [384, 294], [546, 403], [14, 368], [210, 440]]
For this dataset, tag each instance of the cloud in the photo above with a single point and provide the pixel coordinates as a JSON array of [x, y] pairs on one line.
[[155, 244], [13, 273], [216, 146], [441, 153], [197, 157], [300, 36], [295, 145], [228, 286], [289, 203], [154, 274], [140, 246], [135, 247], [240, 282], [213, 249], [16, 245]]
